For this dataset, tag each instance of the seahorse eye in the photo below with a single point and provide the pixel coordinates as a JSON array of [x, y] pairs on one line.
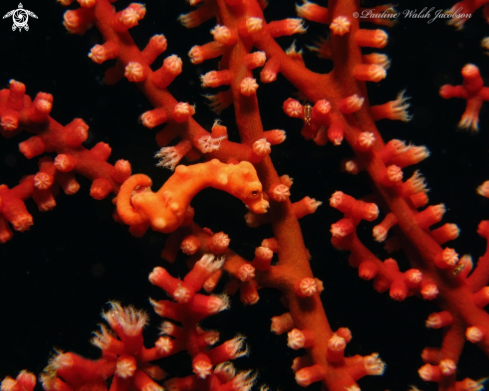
[[254, 193]]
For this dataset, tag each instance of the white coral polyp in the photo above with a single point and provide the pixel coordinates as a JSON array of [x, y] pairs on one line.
[[225, 371], [173, 64], [9, 384], [244, 381], [382, 60], [184, 108], [207, 143], [295, 26], [305, 10], [415, 276], [340, 25], [223, 35], [71, 21], [131, 320], [417, 183], [469, 121], [254, 24], [63, 360], [400, 106], [167, 328], [182, 294], [101, 338], [259, 59], [322, 106], [169, 157], [189, 20], [295, 339], [450, 257], [434, 321], [308, 286], [447, 367], [210, 263], [474, 334], [376, 73], [294, 109], [160, 41], [134, 72], [98, 54], [221, 240], [280, 193], [374, 365], [380, 39], [262, 147], [248, 86], [394, 173], [202, 369], [43, 105], [210, 79], [339, 231], [398, 146], [429, 291], [336, 199], [366, 139], [351, 167], [336, 343], [483, 189], [196, 55], [217, 304], [132, 14], [43, 181], [379, 233], [236, 347], [246, 272], [354, 102], [267, 76], [418, 153], [126, 367], [164, 345]]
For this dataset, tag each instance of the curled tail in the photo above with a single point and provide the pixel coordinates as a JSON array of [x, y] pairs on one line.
[[125, 209]]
